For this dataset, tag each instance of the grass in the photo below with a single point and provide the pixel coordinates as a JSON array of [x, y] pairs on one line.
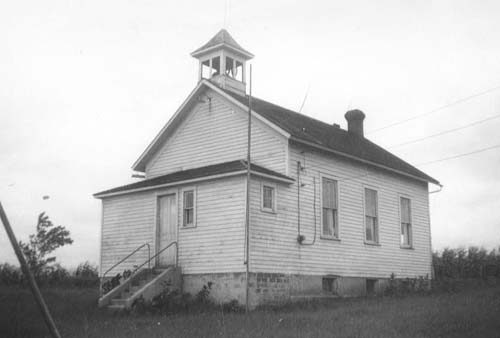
[[468, 313]]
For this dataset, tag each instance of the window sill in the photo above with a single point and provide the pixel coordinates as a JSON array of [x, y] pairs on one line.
[[330, 238], [268, 211], [372, 243], [407, 247], [188, 226]]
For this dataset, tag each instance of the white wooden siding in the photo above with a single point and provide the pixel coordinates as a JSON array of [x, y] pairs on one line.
[[273, 236], [128, 221], [215, 135], [216, 244]]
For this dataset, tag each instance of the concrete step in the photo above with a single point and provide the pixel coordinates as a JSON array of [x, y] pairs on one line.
[[119, 301], [116, 307]]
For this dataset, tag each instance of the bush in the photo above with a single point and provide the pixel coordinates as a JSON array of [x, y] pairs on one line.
[[404, 286], [10, 274], [52, 276], [172, 301]]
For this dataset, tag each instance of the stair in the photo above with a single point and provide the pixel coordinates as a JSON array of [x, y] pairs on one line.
[[146, 283]]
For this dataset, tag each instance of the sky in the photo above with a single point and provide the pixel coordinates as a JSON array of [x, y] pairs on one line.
[[86, 85]]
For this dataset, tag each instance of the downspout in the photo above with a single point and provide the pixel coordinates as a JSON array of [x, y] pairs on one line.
[[433, 273], [300, 238]]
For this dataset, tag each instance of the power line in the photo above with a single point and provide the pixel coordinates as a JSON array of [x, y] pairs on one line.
[[446, 131], [459, 155], [464, 99]]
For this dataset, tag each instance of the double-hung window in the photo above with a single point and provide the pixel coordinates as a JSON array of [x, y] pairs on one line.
[[406, 231], [329, 202], [268, 198], [371, 216], [188, 208]]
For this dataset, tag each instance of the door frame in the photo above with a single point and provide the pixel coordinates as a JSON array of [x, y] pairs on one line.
[[158, 196]]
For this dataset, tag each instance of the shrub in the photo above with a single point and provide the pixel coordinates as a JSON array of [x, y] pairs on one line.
[[86, 270], [10, 274], [170, 301], [404, 286]]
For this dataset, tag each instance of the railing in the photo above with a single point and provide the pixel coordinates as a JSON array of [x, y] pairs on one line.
[[157, 254], [124, 259], [148, 261]]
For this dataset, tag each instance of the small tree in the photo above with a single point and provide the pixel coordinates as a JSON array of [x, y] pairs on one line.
[[47, 239]]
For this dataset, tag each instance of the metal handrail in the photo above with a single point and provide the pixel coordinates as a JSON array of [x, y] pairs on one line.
[[124, 259], [158, 253]]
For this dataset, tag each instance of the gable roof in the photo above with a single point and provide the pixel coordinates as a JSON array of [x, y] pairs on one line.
[[222, 38], [304, 129], [232, 168]]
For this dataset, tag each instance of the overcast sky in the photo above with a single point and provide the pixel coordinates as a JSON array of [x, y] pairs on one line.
[[86, 85]]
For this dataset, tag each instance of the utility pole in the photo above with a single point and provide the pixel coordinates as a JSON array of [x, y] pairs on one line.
[[32, 283], [247, 218]]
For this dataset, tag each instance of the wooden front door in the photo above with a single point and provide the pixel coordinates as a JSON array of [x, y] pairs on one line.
[[167, 230]]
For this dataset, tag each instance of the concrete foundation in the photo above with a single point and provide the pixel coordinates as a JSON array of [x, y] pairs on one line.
[[272, 288]]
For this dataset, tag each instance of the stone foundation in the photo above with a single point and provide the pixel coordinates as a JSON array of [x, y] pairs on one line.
[[272, 288]]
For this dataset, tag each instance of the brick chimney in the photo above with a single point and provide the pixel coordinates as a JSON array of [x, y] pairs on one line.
[[355, 121]]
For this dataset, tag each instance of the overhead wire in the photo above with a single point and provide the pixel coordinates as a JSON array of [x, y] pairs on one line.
[[459, 155], [461, 100], [445, 132]]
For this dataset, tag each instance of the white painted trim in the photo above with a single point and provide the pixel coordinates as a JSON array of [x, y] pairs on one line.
[[162, 131], [273, 210], [412, 241], [327, 149], [185, 103], [336, 179], [156, 227], [271, 177], [245, 109], [200, 53], [287, 158], [100, 239], [183, 190], [199, 179], [366, 241]]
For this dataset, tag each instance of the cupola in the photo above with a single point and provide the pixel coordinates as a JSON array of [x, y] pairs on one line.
[[223, 61]]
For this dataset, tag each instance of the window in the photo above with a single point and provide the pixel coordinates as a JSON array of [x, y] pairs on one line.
[[210, 67], [406, 236], [330, 228], [230, 69], [329, 285], [371, 216], [371, 285], [268, 198], [188, 213]]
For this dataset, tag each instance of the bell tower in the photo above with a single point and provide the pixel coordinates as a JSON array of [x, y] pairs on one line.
[[223, 61]]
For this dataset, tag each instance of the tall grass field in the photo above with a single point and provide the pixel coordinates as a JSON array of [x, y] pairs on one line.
[[470, 312]]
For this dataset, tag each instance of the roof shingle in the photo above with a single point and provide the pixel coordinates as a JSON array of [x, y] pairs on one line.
[[190, 174], [222, 37], [304, 128]]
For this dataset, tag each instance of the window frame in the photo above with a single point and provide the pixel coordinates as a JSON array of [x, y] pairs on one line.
[[410, 236], [182, 194], [274, 200], [337, 191], [376, 232]]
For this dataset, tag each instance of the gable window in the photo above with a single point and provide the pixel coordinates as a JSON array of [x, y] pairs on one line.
[[330, 228], [268, 198], [188, 208], [406, 228], [371, 216]]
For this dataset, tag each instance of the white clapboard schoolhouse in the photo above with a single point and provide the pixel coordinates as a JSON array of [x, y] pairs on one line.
[[331, 213]]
